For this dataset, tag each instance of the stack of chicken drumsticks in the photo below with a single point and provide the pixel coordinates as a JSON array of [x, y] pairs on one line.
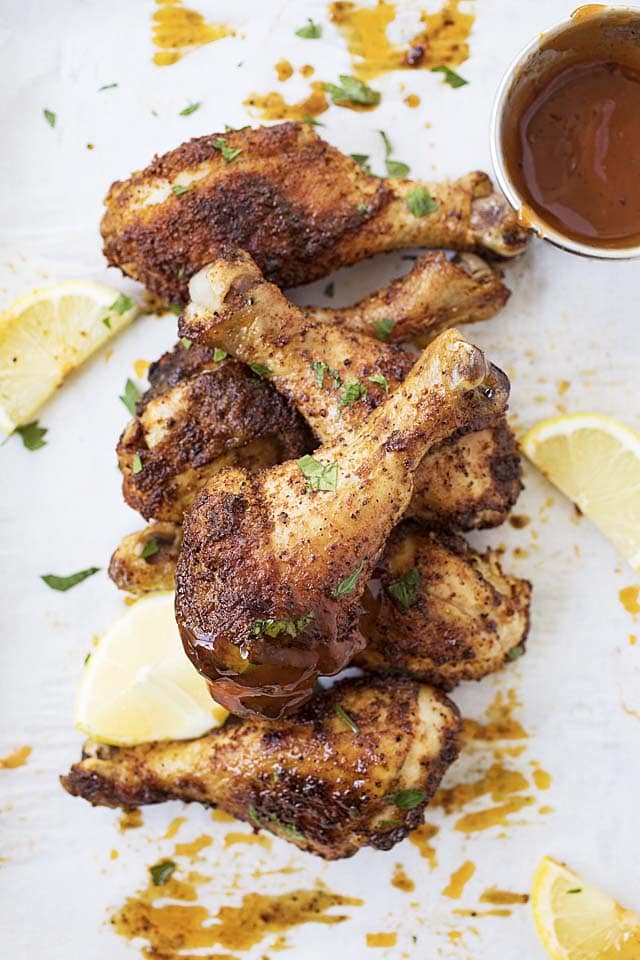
[[308, 477]]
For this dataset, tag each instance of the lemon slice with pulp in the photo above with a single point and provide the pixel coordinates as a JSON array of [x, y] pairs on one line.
[[595, 461], [46, 334], [576, 921], [138, 684]]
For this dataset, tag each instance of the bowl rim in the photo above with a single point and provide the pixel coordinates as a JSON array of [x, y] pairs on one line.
[[540, 227]]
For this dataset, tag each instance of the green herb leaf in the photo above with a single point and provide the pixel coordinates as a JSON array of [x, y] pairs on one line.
[[319, 370], [136, 464], [575, 890], [65, 583], [150, 549], [395, 168], [515, 652], [268, 627], [406, 799], [219, 354], [352, 90], [420, 202], [353, 391], [362, 207], [450, 76], [253, 813], [235, 129], [349, 583], [319, 476], [287, 828], [380, 380], [312, 31], [32, 435], [107, 322], [260, 370], [179, 189], [344, 716], [362, 159], [382, 328], [190, 108], [122, 303], [186, 343], [388, 149], [405, 588], [389, 824], [50, 117], [228, 153], [130, 397], [161, 872], [311, 121], [181, 272], [330, 289], [176, 308], [107, 86]]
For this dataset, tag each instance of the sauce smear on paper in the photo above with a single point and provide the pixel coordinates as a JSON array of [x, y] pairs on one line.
[[178, 30]]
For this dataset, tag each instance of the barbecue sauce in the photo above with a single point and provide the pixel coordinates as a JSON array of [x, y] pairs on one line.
[[571, 129]]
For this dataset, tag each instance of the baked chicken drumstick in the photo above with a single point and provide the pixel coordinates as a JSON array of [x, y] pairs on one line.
[[273, 564], [329, 785], [297, 204]]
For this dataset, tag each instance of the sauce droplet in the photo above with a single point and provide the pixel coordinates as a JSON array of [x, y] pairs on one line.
[[459, 879], [177, 30], [16, 759]]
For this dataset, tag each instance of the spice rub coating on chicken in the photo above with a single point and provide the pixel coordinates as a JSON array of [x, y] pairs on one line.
[[298, 205], [354, 767]]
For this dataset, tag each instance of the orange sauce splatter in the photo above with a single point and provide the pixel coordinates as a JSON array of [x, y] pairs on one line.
[[16, 759], [283, 70], [541, 778], [232, 838], [563, 386], [382, 939], [545, 809], [273, 106], [483, 913], [498, 781], [114, 855], [306, 70], [140, 367], [492, 816], [401, 880], [130, 820], [174, 826], [519, 520], [502, 897], [421, 838], [177, 30], [194, 847], [108, 355], [221, 816], [630, 599], [502, 724], [412, 100], [459, 879], [633, 639], [443, 38], [455, 936]]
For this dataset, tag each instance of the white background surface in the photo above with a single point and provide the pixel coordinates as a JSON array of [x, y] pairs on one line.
[[61, 509]]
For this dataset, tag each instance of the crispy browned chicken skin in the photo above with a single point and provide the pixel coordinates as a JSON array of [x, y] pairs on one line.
[[353, 768], [297, 204]]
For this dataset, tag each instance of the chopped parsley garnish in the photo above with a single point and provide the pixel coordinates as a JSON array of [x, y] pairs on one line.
[[122, 303], [319, 476], [32, 435], [319, 369], [388, 148], [382, 328], [136, 464], [190, 108], [380, 380], [65, 583], [344, 716], [235, 129], [406, 799], [395, 168], [311, 31], [150, 549], [515, 652], [287, 828], [253, 813], [420, 202], [349, 583], [390, 824], [405, 588], [352, 90], [353, 391], [362, 207], [161, 872], [260, 370], [269, 627], [50, 117], [228, 153], [186, 342], [107, 86], [362, 159], [176, 308], [311, 121], [130, 397], [450, 76], [219, 354], [179, 189], [330, 289], [107, 322]]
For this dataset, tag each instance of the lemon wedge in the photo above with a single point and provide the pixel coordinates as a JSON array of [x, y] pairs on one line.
[[138, 684], [595, 461], [46, 334], [576, 921]]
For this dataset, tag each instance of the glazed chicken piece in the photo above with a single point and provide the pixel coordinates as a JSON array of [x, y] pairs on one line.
[[200, 415], [298, 205], [273, 564], [439, 611], [353, 768]]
